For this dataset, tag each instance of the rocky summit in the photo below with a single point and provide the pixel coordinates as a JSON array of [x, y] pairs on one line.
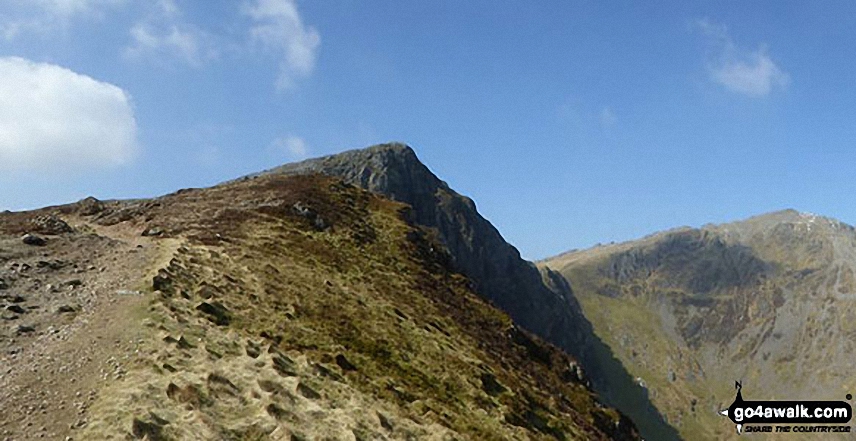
[[766, 301], [476, 247], [538, 299], [289, 305]]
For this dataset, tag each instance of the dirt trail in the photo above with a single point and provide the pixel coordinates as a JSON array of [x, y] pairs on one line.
[[71, 322]]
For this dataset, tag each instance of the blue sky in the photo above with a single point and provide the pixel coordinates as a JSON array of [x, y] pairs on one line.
[[569, 123]]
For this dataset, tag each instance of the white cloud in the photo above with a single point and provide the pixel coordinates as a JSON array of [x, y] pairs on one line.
[[164, 34], [47, 17], [293, 146], [607, 118], [52, 118], [277, 26], [749, 72]]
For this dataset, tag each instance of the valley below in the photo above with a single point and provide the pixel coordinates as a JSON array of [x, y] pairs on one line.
[[690, 311]]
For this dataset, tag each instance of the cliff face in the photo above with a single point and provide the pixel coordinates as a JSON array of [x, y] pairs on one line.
[[280, 308], [538, 300], [477, 248], [689, 311]]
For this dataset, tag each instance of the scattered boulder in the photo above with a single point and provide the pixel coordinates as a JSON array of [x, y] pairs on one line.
[[302, 210], [153, 231], [17, 309], [271, 387], [184, 343], [307, 391], [384, 421], [50, 264], [172, 390], [163, 282], [3, 284], [50, 224], [89, 206], [66, 309], [574, 374], [34, 240], [220, 386], [326, 372], [151, 430], [253, 349], [191, 395], [284, 365], [215, 312], [207, 291], [344, 363], [277, 412], [24, 329]]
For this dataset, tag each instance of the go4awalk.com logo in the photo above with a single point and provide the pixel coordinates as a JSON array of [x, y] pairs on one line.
[[789, 416]]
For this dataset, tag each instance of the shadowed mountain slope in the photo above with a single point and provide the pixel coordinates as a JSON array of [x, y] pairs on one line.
[[540, 301], [767, 300], [280, 307], [477, 248]]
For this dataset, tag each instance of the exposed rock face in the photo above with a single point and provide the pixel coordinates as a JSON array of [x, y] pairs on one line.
[[766, 300], [541, 302], [50, 224], [477, 248]]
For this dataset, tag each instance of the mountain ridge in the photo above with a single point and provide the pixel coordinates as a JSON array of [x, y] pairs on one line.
[[477, 247], [279, 307], [536, 298], [690, 310]]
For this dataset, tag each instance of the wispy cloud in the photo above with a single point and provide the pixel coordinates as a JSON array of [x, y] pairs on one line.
[[607, 118], [47, 17], [277, 26], [54, 118], [740, 70], [294, 147], [164, 35]]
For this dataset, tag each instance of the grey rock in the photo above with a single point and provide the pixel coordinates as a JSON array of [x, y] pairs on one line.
[[475, 247], [50, 224], [34, 240], [24, 329], [89, 206], [215, 312], [17, 309], [152, 231]]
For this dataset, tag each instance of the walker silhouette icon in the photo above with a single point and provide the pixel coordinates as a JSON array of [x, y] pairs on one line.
[[738, 402]]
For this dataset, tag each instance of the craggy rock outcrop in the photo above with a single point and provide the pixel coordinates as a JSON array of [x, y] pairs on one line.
[[477, 248], [767, 300], [541, 302]]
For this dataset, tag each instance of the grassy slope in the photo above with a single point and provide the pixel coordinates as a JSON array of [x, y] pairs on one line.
[[340, 322], [635, 335], [758, 300]]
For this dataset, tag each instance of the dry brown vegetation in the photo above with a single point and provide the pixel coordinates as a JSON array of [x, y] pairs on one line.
[[303, 308]]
